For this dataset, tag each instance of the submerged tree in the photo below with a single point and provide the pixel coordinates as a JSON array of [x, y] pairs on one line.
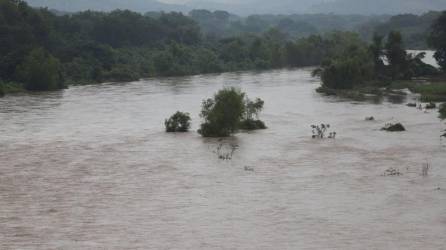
[[222, 114], [319, 131], [250, 119], [178, 122], [229, 111]]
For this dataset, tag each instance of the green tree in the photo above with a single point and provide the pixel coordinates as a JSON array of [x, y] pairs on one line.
[[250, 119], [40, 71], [222, 114], [437, 40]]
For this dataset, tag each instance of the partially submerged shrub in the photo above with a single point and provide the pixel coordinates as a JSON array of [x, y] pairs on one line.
[[398, 127], [178, 122], [392, 172], [319, 131], [252, 124], [251, 120], [370, 118], [226, 151], [229, 111]]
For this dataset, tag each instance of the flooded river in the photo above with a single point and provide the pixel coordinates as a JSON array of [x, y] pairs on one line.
[[91, 168]]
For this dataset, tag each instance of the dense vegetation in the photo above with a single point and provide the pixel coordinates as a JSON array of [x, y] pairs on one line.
[[90, 47], [378, 64], [228, 111], [40, 50], [44, 51], [413, 28]]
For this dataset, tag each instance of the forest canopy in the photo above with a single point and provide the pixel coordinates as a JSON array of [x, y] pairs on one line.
[[45, 50]]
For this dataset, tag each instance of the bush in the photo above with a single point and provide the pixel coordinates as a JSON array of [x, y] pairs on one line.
[[252, 111], [223, 113], [229, 111], [178, 122]]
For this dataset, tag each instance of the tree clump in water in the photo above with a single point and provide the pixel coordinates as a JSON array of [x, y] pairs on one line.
[[229, 111], [251, 120], [398, 127], [178, 122], [392, 172]]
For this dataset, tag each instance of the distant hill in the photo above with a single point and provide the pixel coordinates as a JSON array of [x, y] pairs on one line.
[[141, 6], [249, 7], [368, 7]]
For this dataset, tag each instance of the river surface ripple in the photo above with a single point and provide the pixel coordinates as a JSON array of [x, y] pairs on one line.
[[90, 167]]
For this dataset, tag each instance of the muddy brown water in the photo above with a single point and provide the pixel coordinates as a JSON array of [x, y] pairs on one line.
[[90, 167]]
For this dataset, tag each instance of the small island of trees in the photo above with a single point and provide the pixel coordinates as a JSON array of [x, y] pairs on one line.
[[228, 111]]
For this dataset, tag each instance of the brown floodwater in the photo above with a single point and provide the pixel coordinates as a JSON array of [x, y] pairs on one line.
[[91, 167]]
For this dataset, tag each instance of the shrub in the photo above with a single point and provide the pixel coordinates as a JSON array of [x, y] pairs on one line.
[[223, 113], [250, 119], [229, 111], [178, 122]]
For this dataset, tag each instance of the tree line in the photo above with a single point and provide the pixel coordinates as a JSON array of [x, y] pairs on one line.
[[40, 50], [382, 62], [44, 51]]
